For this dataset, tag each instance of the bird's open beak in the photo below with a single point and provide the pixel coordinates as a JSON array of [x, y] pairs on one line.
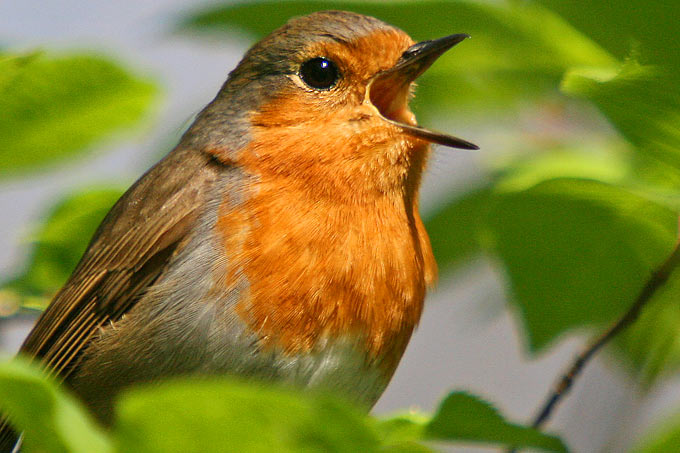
[[389, 90]]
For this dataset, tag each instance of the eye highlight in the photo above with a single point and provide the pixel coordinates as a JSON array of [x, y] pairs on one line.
[[319, 73]]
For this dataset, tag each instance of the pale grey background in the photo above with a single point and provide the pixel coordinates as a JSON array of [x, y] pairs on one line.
[[467, 338]]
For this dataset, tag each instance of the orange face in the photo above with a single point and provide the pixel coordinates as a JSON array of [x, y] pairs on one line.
[[335, 139], [356, 65], [326, 102]]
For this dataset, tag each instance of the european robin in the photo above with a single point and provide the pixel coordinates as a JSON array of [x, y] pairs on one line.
[[279, 240]]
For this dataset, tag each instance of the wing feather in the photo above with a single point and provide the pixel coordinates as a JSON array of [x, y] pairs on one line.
[[130, 250]]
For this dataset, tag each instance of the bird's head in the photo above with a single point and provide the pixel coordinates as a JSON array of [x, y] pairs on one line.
[[324, 100]]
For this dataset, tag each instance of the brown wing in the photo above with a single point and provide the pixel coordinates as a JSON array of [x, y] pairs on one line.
[[129, 251]]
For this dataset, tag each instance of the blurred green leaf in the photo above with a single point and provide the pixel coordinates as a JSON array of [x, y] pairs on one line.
[[51, 420], [464, 227], [466, 417], [662, 439], [219, 415], [517, 50], [402, 429], [622, 25], [642, 102], [577, 252], [406, 447], [603, 163], [55, 107], [652, 344], [60, 242], [663, 179], [456, 229], [198, 415]]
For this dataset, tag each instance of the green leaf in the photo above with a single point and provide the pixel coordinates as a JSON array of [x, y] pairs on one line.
[[601, 162], [652, 344], [650, 25], [577, 252], [465, 417], [456, 230], [52, 421], [516, 51], [465, 227], [220, 415], [60, 242], [54, 108], [402, 429], [642, 102], [406, 447], [661, 439]]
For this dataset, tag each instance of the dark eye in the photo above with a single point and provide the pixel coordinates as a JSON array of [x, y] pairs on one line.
[[319, 73]]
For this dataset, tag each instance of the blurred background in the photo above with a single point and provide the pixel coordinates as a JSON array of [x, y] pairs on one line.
[[543, 237]]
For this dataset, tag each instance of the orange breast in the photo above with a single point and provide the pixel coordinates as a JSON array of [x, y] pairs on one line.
[[327, 233], [317, 269]]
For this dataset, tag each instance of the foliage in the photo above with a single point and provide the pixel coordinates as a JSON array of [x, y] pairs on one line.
[[569, 241], [51, 420], [653, 124], [60, 242], [55, 107], [222, 415], [462, 416], [663, 439], [578, 219]]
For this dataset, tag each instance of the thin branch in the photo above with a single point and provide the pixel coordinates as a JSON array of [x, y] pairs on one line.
[[656, 281]]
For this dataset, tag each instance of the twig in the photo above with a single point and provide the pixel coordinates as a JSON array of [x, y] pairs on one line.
[[656, 281]]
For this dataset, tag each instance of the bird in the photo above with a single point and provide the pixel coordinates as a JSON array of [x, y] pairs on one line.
[[280, 240]]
